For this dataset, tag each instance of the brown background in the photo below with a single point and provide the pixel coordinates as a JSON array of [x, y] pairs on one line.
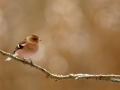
[[78, 36]]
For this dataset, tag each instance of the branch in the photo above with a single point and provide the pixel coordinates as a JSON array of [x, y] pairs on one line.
[[109, 77]]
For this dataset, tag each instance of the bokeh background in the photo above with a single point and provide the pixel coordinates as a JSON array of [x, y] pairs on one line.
[[78, 36]]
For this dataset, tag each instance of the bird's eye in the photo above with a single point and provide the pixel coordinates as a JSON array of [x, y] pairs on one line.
[[35, 38]]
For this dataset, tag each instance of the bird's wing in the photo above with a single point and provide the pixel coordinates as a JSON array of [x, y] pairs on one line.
[[20, 46]]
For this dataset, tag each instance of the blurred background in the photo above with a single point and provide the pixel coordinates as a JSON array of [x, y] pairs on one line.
[[78, 36]]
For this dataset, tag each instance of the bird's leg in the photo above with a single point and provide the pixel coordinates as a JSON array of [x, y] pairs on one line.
[[31, 62], [24, 61]]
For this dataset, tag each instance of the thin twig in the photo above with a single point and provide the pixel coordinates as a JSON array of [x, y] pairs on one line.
[[109, 77]]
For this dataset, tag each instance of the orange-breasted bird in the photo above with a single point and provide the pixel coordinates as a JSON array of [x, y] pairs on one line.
[[28, 47]]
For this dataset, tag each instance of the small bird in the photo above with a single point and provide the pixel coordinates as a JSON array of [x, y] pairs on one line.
[[28, 47]]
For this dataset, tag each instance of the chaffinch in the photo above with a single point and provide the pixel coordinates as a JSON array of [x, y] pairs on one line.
[[27, 47]]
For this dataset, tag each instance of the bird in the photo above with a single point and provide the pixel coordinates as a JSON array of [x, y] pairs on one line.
[[26, 48]]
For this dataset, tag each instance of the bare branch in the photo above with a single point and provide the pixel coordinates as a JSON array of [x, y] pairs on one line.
[[110, 77]]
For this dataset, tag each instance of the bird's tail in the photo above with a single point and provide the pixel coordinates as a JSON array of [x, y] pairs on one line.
[[8, 59]]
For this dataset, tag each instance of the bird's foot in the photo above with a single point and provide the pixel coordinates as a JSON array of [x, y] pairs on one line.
[[24, 61], [31, 62]]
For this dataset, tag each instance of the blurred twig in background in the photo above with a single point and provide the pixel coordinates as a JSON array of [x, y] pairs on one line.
[[110, 77]]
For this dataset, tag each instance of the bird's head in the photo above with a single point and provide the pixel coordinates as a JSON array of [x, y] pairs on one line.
[[33, 39]]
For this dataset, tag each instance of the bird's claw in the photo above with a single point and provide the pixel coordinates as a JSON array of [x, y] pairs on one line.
[[31, 62], [24, 61]]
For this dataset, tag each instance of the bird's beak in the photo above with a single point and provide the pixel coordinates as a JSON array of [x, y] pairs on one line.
[[40, 40]]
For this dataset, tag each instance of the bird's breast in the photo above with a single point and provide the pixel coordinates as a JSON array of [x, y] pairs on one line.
[[27, 51]]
